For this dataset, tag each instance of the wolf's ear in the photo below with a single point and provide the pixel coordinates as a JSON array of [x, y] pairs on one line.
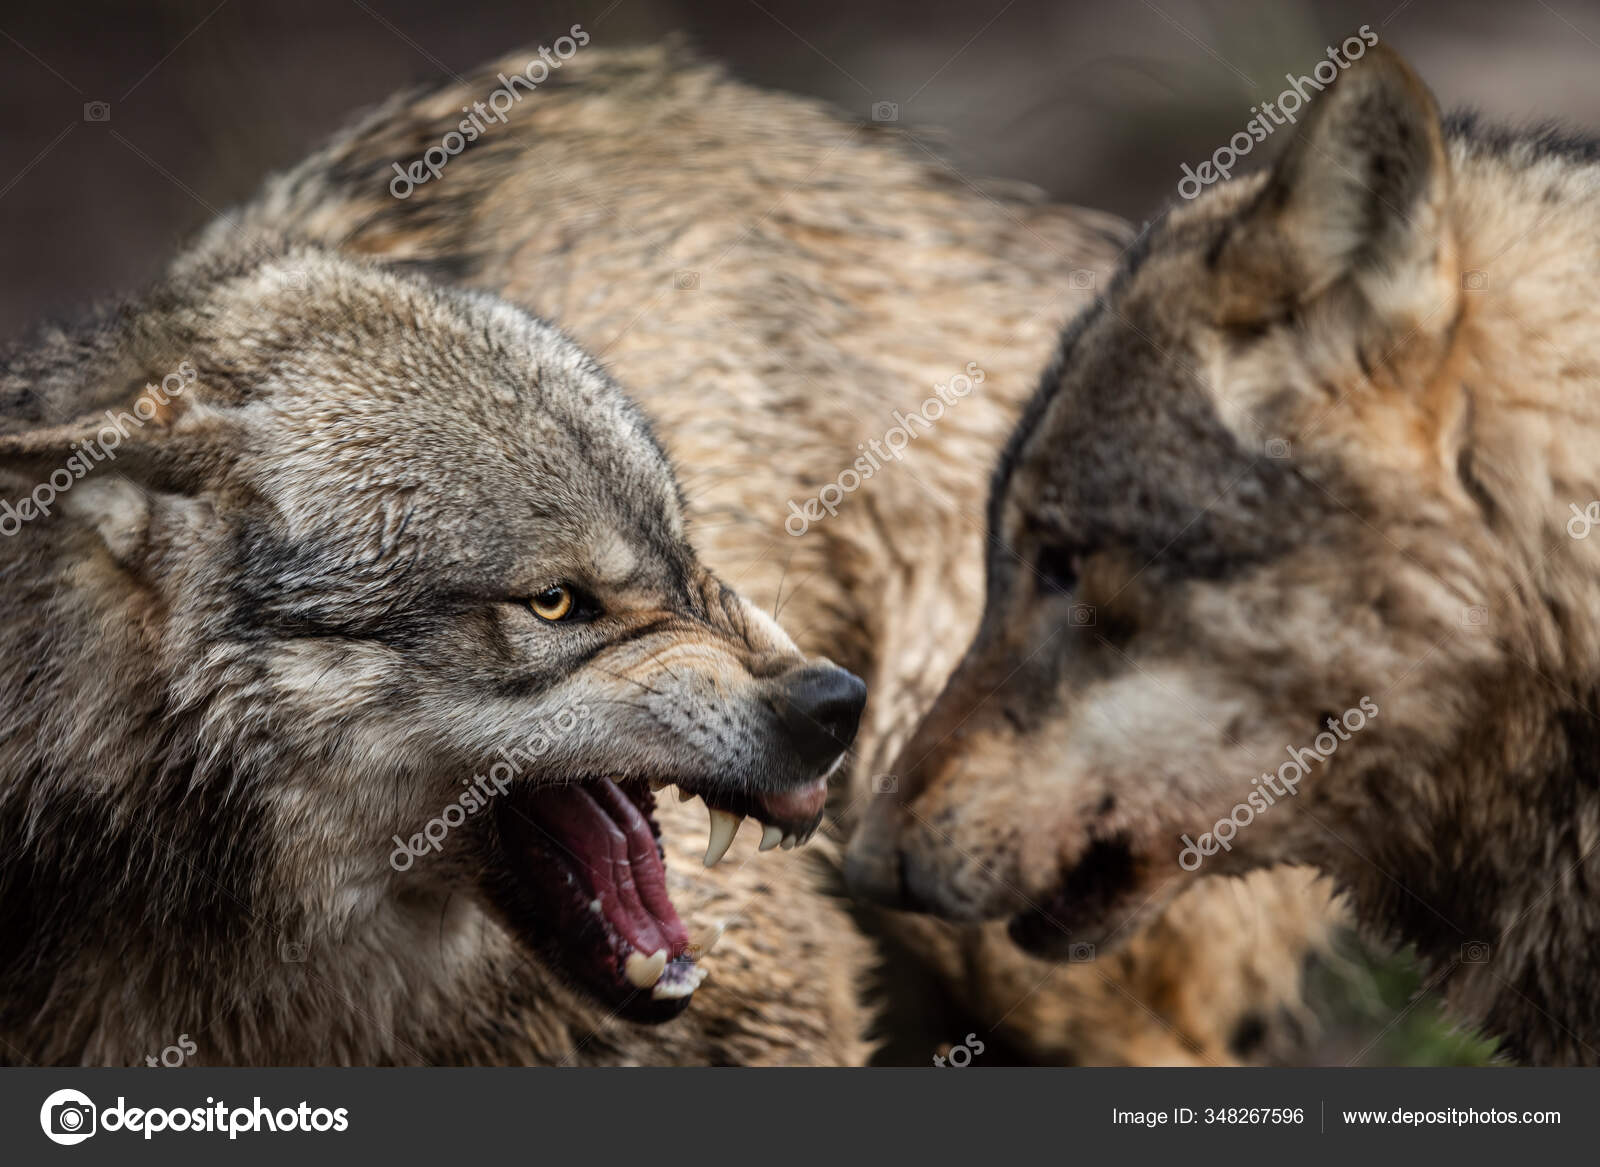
[[138, 440], [1360, 195]]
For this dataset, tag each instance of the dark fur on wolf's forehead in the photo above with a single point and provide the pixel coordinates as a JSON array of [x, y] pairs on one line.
[[1121, 446], [362, 388], [1142, 457]]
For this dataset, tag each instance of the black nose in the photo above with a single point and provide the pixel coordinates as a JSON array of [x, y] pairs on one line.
[[820, 708]]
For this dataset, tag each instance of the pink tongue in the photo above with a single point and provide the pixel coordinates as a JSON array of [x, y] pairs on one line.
[[612, 843], [798, 805]]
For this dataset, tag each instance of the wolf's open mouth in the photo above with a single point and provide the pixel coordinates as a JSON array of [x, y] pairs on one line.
[[583, 880]]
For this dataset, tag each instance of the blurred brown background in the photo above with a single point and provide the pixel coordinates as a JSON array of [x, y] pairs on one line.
[[1097, 103]]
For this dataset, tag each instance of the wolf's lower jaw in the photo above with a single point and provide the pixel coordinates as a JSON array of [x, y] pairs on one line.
[[582, 879]]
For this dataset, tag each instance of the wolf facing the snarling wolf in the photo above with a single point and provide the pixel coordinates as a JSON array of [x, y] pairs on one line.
[[1311, 468], [396, 530]]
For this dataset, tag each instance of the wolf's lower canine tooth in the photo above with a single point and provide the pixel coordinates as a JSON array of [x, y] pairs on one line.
[[771, 836], [680, 987], [723, 827], [643, 971]]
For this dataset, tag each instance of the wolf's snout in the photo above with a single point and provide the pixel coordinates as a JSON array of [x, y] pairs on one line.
[[880, 868], [873, 869], [819, 707], [874, 865]]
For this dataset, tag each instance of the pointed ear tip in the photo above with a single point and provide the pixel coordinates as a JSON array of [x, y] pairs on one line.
[[1389, 66], [1384, 54]]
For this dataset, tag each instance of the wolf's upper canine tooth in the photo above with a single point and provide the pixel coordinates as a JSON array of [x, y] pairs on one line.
[[789, 842], [771, 836], [723, 827], [684, 795], [643, 971], [656, 785]]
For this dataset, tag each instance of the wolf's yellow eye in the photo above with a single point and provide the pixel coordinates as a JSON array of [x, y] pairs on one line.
[[552, 604]]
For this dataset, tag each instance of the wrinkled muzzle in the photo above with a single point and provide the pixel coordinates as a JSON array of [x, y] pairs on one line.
[[577, 868]]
